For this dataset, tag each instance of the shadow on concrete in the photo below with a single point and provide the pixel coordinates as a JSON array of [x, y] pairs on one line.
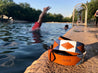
[[92, 50]]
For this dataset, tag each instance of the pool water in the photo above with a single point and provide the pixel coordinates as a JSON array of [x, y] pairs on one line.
[[19, 46]]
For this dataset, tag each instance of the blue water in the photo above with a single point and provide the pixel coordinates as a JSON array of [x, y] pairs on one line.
[[19, 47]]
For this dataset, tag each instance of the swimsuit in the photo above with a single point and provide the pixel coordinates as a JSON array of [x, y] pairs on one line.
[[36, 26]]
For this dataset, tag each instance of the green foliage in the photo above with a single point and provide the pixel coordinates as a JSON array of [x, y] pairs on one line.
[[5, 1], [67, 19], [24, 5], [92, 7], [23, 11]]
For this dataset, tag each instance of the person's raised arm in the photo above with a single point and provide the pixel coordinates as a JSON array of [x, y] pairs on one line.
[[42, 14], [38, 24]]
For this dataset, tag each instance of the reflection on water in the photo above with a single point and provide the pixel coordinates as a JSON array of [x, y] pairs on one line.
[[37, 36], [6, 60], [19, 47]]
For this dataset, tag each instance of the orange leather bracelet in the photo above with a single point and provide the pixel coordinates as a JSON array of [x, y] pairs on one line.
[[62, 56]]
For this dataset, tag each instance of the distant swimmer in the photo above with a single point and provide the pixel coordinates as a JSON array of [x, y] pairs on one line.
[[38, 24], [66, 27]]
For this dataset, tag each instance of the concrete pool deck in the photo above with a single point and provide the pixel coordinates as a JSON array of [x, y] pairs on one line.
[[86, 35]]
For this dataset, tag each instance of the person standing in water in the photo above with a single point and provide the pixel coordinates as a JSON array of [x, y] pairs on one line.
[[38, 24]]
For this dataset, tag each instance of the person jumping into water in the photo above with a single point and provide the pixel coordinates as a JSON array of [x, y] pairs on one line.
[[38, 24]]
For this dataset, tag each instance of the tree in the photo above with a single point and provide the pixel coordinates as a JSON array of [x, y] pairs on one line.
[[3, 6], [92, 7], [5, 1], [24, 5], [67, 19], [23, 11]]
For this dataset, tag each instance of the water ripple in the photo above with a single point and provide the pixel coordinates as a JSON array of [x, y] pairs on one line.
[[6, 60]]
